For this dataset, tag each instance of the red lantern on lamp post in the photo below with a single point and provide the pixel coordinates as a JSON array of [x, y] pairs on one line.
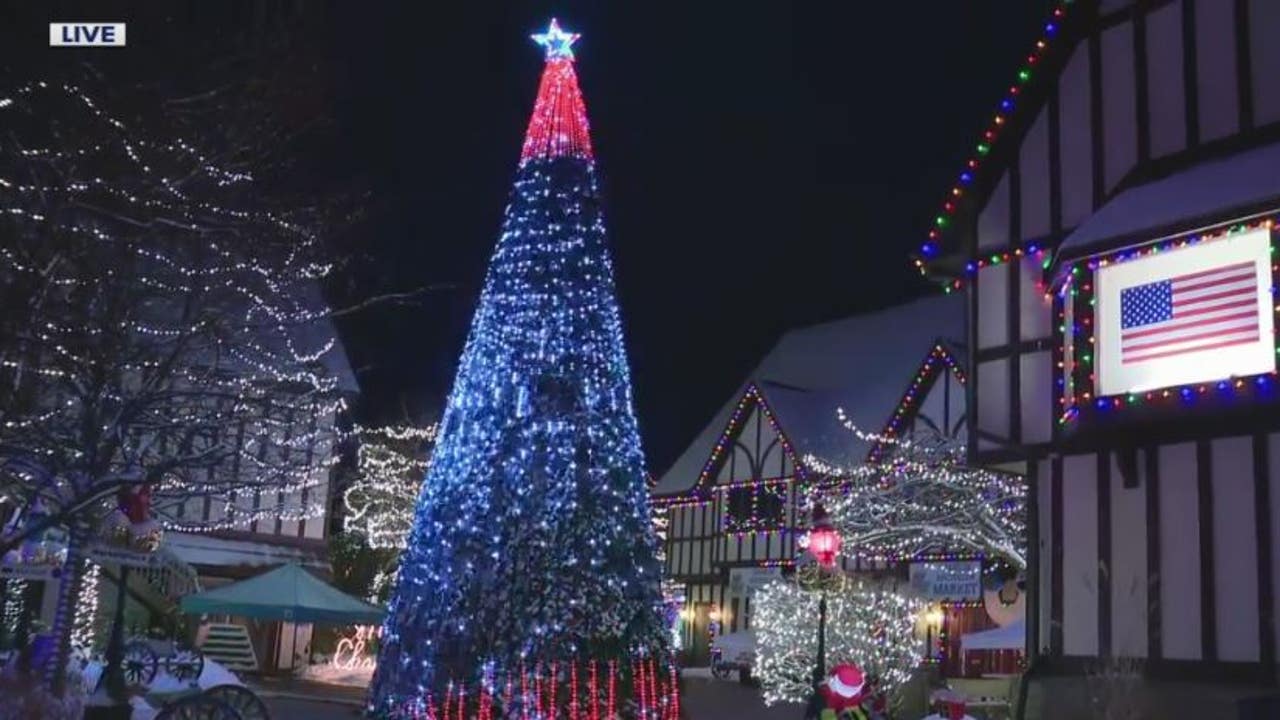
[[824, 544], [824, 541]]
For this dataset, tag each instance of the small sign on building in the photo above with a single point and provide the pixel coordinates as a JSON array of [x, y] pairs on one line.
[[745, 581], [948, 581]]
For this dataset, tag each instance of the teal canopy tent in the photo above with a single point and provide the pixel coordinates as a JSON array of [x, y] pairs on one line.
[[287, 593]]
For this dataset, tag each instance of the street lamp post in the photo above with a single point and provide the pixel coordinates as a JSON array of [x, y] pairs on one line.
[[824, 546]]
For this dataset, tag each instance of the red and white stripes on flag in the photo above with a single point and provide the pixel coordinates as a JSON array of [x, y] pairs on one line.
[[1191, 312]]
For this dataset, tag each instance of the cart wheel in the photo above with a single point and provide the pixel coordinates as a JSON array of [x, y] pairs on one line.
[[186, 665], [198, 707], [140, 663], [241, 699], [719, 671]]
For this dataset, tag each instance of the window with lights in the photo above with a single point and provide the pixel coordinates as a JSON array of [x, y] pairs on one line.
[[758, 506]]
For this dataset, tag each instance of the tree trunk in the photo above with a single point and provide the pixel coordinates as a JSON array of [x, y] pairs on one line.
[[64, 614]]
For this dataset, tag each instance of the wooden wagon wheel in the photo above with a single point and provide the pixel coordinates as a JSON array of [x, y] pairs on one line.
[[198, 707], [186, 665], [248, 705], [140, 663]]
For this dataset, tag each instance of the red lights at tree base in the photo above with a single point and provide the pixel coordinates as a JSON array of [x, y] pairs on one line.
[[647, 690]]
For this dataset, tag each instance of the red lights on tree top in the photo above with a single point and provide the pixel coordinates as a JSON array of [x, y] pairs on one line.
[[559, 126]]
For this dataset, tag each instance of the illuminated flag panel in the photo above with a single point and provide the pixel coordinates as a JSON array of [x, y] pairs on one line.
[[1196, 314]]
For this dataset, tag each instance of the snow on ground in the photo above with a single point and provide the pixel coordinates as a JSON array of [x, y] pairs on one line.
[[359, 676], [213, 675]]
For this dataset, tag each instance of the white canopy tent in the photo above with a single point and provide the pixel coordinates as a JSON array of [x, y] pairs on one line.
[[1010, 637]]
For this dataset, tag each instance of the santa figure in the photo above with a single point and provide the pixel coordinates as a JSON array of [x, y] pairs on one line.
[[845, 695]]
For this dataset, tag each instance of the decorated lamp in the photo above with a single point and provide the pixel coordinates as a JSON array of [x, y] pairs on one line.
[[824, 541], [824, 544]]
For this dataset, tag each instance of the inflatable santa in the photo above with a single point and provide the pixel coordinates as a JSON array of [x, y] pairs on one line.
[[847, 694]]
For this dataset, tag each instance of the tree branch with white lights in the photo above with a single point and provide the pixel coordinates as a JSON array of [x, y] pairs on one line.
[[165, 345], [379, 502], [390, 464], [921, 498], [869, 626]]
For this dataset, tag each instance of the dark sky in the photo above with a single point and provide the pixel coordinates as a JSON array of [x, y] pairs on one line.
[[766, 164]]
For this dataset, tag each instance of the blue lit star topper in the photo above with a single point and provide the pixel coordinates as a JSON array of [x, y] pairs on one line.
[[556, 41]]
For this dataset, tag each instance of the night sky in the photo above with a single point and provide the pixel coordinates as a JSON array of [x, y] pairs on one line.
[[766, 165]]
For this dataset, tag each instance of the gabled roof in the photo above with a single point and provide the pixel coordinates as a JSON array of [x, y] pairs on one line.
[[863, 364]]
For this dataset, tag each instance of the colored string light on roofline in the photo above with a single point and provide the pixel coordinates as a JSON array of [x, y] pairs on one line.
[[951, 203], [751, 397]]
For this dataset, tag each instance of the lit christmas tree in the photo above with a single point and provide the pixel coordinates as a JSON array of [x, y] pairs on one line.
[[532, 545]]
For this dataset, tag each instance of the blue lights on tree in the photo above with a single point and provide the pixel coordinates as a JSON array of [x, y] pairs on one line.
[[532, 541]]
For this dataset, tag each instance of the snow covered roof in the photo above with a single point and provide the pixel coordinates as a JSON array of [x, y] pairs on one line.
[[862, 363], [1206, 193], [210, 551], [1009, 637]]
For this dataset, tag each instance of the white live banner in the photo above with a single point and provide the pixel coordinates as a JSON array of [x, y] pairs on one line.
[[1200, 313]]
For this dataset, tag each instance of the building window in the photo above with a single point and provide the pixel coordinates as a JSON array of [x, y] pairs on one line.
[[759, 506]]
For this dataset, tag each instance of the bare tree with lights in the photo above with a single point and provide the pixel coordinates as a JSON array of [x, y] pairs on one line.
[[379, 502], [870, 626], [390, 464], [164, 343], [920, 497]]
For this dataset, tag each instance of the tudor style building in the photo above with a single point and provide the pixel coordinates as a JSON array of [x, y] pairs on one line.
[[735, 502], [1113, 234]]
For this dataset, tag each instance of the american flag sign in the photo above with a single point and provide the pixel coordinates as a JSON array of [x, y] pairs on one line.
[[1192, 312]]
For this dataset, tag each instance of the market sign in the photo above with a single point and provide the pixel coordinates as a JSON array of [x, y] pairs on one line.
[[1199, 313], [947, 581]]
